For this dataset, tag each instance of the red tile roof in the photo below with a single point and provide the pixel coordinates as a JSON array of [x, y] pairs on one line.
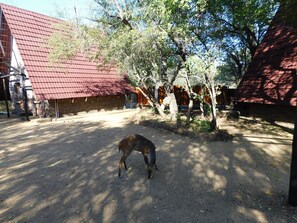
[[75, 78], [271, 77]]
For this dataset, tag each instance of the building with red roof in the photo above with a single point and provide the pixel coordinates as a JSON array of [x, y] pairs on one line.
[[77, 84], [270, 83]]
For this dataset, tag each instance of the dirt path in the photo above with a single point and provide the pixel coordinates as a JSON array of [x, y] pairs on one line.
[[66, 171]]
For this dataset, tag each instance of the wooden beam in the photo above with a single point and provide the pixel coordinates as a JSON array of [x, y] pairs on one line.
[[293, 174]]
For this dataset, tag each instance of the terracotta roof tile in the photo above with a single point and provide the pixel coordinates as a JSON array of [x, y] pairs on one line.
[[77, 77], [271, 77]]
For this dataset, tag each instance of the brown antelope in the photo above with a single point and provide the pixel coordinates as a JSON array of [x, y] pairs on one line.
[[140, 144]]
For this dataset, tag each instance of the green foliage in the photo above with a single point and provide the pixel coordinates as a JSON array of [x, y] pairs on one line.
[[201, 126], [196, 125], [240, 26], [154, 40], [151, 40], [3, 106], [62, 44]]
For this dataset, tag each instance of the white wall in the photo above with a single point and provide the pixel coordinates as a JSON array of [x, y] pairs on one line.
[[17, 62]]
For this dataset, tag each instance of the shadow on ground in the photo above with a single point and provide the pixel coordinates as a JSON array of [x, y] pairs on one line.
[[66, 171]]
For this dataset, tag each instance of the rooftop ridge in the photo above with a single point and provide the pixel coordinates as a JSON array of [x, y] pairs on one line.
[[271, 76], [30, 12], [52, 81]]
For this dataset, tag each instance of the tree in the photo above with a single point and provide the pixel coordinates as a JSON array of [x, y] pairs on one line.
[[152, 40], [241, 26], [235, 63], [182, 23], [234, 27], [203, 67], [139, 43]]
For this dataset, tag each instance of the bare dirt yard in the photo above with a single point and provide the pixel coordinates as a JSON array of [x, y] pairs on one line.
[[66, 171]]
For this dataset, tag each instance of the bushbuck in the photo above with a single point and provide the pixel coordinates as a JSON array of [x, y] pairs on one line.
[[140, 144]]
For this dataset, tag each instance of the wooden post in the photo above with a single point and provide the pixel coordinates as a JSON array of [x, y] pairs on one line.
[[25, 98], [293, 174], [57, 108], [6, 98], [26, 104]]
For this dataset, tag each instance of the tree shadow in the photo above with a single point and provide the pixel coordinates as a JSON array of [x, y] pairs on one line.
[[67, 172], [284, 128]]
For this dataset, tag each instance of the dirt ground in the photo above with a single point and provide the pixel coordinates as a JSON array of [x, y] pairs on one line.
[[66, 171]]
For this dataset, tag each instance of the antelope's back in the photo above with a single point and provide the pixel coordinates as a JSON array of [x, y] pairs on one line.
[[138, 143], [143, 144]]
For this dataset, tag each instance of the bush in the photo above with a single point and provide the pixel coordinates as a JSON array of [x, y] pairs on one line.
[[3, 106], [201, 125]]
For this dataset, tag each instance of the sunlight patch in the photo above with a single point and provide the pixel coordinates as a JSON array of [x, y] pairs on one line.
[[56, 163], [254, 214], [242, 155], [142, 203], [108, 211], [240, 171], [219, 182]]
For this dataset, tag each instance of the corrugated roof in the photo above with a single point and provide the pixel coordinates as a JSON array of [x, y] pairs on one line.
[[78, 77], [271, 77]]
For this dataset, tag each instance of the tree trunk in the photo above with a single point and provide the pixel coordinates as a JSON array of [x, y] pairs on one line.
[[293, 174], [191, 99], [156, 93], [212, 93], [153, 103], [190, 108], [173, 107], [214, 123], [202, 109]]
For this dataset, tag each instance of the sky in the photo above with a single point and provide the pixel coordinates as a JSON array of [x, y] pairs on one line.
[[54, 8]]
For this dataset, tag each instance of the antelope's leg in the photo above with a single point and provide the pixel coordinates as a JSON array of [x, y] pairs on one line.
[[149, 171], [156, 166], [145, 159], [119, 172], [122, 161]]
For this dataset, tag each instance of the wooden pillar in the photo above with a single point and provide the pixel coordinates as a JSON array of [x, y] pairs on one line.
[[25, 97], [57, 112], [6, 97], [293, 173]]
